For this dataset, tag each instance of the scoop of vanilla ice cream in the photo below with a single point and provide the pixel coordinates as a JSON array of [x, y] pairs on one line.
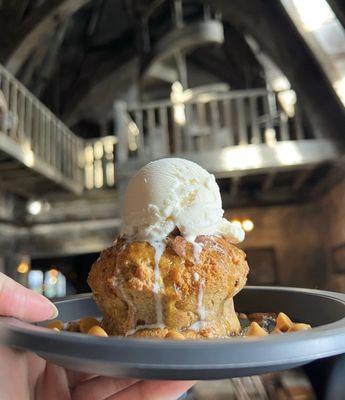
[[174, 192]]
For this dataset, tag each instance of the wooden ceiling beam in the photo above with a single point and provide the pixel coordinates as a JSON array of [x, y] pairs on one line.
[[28, 71], [50, 59], [20, 41], [105, 87]]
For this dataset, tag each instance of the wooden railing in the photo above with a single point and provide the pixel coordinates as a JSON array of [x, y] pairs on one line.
[[196, 122], [99, 162], [208, 121], [32, 128]]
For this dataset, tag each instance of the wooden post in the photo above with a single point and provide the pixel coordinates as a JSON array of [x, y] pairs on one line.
[[121, 131]]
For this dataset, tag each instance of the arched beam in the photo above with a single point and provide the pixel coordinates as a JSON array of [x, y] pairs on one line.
[[109, 73], [272, 28], [95, 100], [20, 41], [183, 40], [235, 64]]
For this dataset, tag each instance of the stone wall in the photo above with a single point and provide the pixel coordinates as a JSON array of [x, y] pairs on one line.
[[296, 234], [304, 238]]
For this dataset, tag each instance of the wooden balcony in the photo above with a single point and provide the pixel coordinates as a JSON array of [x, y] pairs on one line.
[[255, 148], [245, 138], [38, 153]]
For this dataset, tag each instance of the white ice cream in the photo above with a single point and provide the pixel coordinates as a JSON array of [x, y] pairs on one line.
[[174, 192]]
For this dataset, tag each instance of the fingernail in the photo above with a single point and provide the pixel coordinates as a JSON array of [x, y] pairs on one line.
[[55, 311]]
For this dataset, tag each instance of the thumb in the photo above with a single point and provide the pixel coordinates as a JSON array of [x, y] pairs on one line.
[[17, 301]]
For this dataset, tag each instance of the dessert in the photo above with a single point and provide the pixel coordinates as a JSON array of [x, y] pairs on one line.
[[174, 269]]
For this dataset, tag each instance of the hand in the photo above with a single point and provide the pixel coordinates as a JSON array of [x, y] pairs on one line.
[[24, 375]]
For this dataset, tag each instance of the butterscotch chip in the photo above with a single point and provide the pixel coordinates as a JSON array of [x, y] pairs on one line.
[[56, 324], [87, 323], [242, 315], [256, 330], [299, 327], [276, 330], [97, 331], [283, 322], [73, 326], [174, 335]]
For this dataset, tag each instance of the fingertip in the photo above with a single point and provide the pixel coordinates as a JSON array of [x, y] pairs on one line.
[[55, 311], [20, 302], [44, 308]]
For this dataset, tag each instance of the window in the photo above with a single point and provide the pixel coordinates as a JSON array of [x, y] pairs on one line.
[[325, 36]]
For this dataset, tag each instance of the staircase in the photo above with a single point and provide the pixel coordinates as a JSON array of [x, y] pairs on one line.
[[38, 153]]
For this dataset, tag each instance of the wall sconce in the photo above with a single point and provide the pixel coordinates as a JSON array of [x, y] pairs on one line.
[[35, 207], [247, 224]]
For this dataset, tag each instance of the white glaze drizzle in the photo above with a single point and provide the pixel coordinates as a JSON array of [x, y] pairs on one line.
[[201, 309], [198, 325], [197, 249], [159, 247]]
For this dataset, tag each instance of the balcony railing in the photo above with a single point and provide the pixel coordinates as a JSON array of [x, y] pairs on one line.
[[36, 137], [207, 121], [99, 162], [228, 132]]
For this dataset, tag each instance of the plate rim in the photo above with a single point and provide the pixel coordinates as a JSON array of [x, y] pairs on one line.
[[323, 335]]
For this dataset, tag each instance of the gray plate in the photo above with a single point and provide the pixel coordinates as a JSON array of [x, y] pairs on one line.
[[193, 359]]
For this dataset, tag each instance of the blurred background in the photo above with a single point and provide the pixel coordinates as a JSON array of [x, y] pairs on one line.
[[91, 90]]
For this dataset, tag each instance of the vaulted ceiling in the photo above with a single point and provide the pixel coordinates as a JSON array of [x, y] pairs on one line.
[[79, 55]]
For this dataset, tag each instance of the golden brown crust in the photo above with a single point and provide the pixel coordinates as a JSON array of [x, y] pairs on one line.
[[123, 277]]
